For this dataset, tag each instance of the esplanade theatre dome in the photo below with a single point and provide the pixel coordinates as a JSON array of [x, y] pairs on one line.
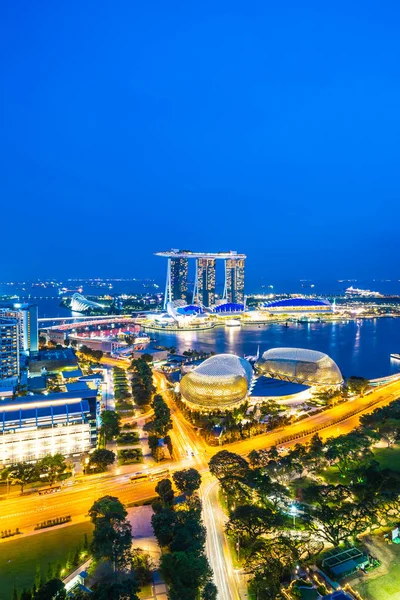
[[221, 381], [300, 365]]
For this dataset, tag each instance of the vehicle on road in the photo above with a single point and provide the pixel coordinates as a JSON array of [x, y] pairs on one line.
[[50, 490]]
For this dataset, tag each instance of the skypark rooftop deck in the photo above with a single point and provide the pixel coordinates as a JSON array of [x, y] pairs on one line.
[[187, 254]]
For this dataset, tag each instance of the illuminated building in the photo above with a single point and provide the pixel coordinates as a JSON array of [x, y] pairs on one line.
[[205, 280], [81, 304], [204, 291], [234, 280], [220, 382], [298, 365], [9, 350], [297, 305], [179, 278], [34, 426], [27, 317]]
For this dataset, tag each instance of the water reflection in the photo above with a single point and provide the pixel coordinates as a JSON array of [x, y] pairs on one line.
[[366, 355]]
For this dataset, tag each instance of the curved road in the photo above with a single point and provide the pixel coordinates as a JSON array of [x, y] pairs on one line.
[[189, 450]]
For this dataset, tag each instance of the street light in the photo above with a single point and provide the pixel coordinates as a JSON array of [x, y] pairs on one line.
[[293, 511]]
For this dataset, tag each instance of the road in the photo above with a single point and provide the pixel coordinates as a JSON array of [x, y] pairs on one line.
[[190, 450]]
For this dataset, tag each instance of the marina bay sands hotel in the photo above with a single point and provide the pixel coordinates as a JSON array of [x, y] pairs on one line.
[[204, 284]]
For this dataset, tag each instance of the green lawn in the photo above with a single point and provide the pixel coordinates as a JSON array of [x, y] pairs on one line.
[[386, 587], [19, 557], [388, 458]]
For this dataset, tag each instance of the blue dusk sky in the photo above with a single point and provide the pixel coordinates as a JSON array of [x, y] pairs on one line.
[[271, 128]]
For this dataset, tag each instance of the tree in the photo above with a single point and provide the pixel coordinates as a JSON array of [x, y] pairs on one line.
[[335, 516], [266, 582], [124, 590], [209, 592], [186, 573], [21, 474], [189, 533], [52, 467], [163, 523], [166, 493], [143, 566], [227, 464], [101, 458], [234, 474], [110, 424], [168, 443], [112, 536], [357, 385], [52, 590], [251, 521], [147, 357], [187, 481], [350, 451], [142, 381], [161, 423]]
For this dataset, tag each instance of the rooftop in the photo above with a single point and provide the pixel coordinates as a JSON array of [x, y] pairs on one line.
[[286, 302], [188, 254], [43, 399], [73, 374]]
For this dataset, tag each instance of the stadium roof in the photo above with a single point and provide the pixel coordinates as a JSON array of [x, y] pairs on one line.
[[300, 365], [297, 302]]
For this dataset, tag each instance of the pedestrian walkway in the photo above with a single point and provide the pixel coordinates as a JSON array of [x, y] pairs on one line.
[[144, 538]]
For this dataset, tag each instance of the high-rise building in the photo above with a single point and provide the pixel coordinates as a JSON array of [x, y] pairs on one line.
[[9, 350], [176, 287], [234, 280], [178, 273], [27, 317], [204, 292]]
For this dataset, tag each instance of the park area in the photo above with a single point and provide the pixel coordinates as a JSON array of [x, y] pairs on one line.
[[21, 558], [382, 583]]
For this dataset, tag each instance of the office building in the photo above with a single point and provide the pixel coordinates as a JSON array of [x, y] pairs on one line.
[[34, 426], [234, 280], [204, 292], [9, 351]]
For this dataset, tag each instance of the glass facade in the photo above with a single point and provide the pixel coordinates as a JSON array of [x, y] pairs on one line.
[[298, 365], [179, 278], [206, 281], [234, 280], [220, 382], [9, 348], [35, 427]]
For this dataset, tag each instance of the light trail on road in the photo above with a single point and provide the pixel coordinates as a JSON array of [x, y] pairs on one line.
[[217, 548], [25, 512]]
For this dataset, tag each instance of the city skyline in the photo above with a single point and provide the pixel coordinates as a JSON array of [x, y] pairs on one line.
[[278, 137], [179, 419]]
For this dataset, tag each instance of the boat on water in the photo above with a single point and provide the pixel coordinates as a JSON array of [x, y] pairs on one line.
[[357, 292], [395, 356], [141, 339], [233, 323]]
